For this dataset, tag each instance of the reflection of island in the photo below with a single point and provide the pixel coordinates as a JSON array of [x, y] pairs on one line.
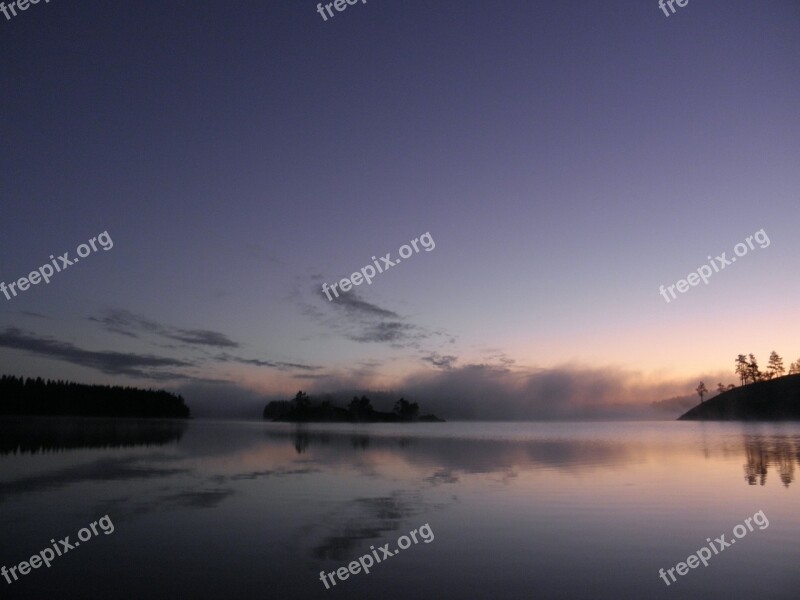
[[455, 455], [36, 397], [360, 410], [761, 453], [33, 435]]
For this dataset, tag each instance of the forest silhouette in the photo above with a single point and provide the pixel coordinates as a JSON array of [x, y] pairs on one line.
[[36, 397]]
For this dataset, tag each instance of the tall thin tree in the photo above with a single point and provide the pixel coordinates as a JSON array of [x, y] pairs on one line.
[[775, 366], [701, 390]]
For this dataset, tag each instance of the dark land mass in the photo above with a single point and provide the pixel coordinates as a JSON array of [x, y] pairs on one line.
[[36, 397], [303, 410], [773, 400]]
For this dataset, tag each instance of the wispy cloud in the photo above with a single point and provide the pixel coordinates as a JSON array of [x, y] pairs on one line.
[[371, 323], [361, 321], [202, 337], [197, 342], [356, 306], [113, 363], [386, 331], [35, 315], [442, 362], [282, 366], [130, 324]]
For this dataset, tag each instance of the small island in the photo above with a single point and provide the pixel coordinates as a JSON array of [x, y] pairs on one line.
[[36, 397], [303, 410], [767, 396]]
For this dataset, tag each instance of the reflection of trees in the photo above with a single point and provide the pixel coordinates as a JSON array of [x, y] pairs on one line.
[[360, 442], [786, 466], [41, 434], [756, 467], [468, 455], [451, 457], [764, 452], [301, 440]]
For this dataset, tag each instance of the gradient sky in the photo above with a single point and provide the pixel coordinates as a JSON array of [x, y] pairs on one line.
[[567, 158]]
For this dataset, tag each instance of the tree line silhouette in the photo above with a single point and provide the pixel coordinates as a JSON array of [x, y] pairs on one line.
[[301, 408], [37, 397], [748, 371]]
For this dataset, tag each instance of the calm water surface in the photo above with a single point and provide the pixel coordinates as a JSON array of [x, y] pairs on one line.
[[518, 510]]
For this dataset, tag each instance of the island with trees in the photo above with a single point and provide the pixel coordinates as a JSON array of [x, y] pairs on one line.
[[37, 397], [303, 410], [768, 395]]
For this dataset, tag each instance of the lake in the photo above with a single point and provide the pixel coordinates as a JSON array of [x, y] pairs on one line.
[[226, 509]]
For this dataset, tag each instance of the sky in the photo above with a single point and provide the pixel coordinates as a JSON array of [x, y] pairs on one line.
[[562, 159]]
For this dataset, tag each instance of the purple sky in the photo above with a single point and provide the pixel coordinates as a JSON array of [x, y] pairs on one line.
[[567, 158]]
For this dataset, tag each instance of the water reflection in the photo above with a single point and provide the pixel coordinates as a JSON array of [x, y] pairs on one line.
[[457, 453], [28, 435], [367, 519], [469, 455], [776, 451], [555, 508]]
